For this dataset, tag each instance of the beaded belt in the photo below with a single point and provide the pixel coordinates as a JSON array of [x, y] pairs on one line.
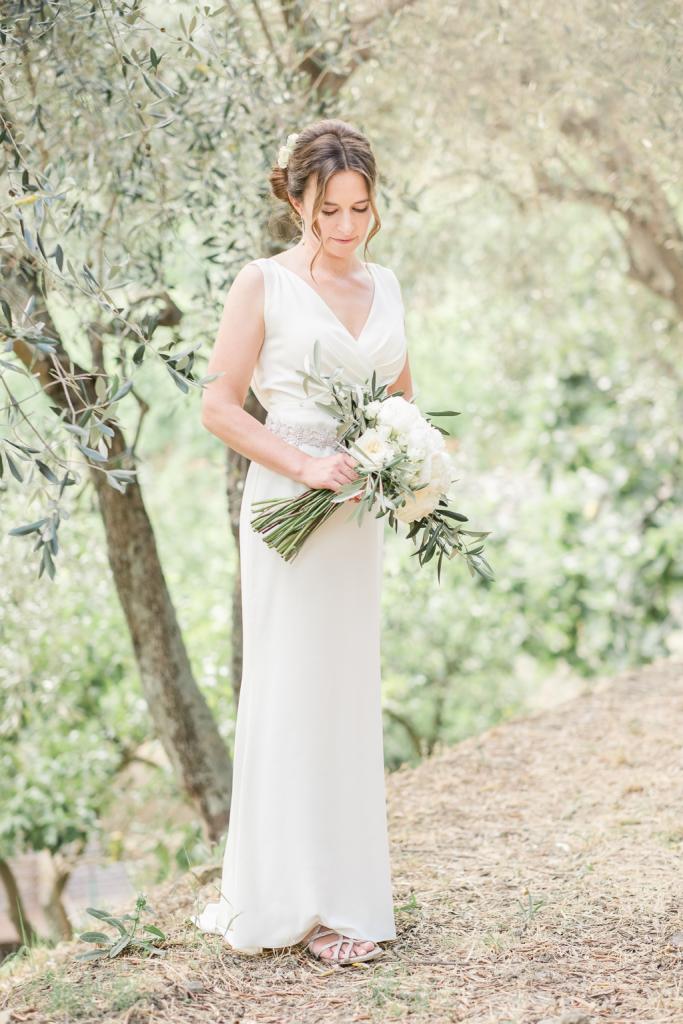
[[302, 433]]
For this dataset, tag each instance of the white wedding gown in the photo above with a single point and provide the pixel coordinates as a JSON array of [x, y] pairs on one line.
[[307, 839]]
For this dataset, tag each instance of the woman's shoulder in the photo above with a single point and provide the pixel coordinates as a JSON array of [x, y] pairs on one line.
[[250, 275], [249, 285], [258, 261], [258, 282], [256, 273], [265, 267]]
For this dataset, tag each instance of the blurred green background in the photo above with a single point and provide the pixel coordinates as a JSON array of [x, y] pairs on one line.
[[531, 208]]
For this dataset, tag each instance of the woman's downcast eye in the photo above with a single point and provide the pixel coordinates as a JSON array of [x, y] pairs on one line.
[[330, 213]]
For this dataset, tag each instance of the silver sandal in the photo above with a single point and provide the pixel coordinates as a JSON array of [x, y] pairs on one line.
[[321, 930]]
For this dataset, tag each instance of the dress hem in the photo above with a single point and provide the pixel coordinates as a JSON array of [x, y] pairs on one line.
[[256, 950]]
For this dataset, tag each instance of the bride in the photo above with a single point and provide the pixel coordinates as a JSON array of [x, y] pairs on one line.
[[307, 854]]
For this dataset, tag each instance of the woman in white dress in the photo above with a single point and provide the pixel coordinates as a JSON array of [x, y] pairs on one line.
[[307, 855]]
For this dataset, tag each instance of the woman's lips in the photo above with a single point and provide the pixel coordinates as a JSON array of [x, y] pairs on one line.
[[343, 241]]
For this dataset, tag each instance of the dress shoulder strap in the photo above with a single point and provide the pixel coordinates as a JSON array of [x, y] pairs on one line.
[[270, 286], [394, 286]]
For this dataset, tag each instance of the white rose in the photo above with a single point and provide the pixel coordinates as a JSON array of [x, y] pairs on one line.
[[372, 450], [399, 414]]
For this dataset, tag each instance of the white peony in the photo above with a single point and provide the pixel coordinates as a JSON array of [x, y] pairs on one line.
[[431, 466], [398, 414], [428, 436], [436, 439], [418, 442], [442, 471], [432, 475]]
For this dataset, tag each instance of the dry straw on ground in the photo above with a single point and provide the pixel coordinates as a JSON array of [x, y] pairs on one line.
[[537, 875]]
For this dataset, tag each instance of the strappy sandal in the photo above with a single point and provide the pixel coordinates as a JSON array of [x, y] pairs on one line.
[[321, 930]]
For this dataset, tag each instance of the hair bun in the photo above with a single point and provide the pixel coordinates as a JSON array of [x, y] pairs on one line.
[[278, 183]]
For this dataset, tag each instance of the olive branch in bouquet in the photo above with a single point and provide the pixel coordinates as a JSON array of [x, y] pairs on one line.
[[285, 523], [439, 532]]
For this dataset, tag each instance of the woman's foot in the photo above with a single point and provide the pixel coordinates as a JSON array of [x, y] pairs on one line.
[[349, 947]]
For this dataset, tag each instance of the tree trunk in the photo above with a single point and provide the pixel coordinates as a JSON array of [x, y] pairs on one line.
[[15, 906], [237, 466], [181, 716], [55, 873]]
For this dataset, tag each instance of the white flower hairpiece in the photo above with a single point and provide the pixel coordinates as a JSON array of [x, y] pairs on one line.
[[285, 151]]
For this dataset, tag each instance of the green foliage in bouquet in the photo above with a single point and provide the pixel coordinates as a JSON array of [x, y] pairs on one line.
[[387, 479]]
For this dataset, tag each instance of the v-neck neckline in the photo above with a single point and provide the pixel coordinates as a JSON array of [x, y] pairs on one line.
[[356, 340]]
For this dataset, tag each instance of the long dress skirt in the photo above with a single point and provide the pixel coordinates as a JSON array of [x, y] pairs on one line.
[[307, 839]]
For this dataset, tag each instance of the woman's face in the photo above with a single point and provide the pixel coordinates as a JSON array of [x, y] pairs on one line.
[[345, 215]]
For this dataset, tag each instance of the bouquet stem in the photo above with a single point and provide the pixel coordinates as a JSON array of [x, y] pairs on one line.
[[285, 523]]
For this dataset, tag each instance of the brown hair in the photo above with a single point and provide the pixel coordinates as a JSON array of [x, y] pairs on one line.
[[324, 148]]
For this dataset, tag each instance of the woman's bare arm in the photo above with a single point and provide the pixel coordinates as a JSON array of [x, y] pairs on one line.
[[234, 355], [404, 382]]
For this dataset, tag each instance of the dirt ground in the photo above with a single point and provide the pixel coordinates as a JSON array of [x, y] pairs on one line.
[[538, 879]]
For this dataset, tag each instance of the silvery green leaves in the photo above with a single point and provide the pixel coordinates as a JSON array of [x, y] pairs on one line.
[[441, 537], [79, 424], [49, 469], [83, 421], [179, 366], [14, 453]]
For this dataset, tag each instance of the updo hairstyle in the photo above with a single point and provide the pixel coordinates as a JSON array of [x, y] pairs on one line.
[[322, 149]]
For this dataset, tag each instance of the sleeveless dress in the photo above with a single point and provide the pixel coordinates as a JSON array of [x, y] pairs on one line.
[[307, 837]]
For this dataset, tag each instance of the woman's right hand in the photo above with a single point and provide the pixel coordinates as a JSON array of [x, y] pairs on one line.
[[331, 472]]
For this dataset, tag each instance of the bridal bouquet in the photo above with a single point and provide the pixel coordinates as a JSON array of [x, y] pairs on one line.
[[403, 470]]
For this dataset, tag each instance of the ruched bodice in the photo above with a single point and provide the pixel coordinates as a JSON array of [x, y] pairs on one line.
[[295, 316]]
